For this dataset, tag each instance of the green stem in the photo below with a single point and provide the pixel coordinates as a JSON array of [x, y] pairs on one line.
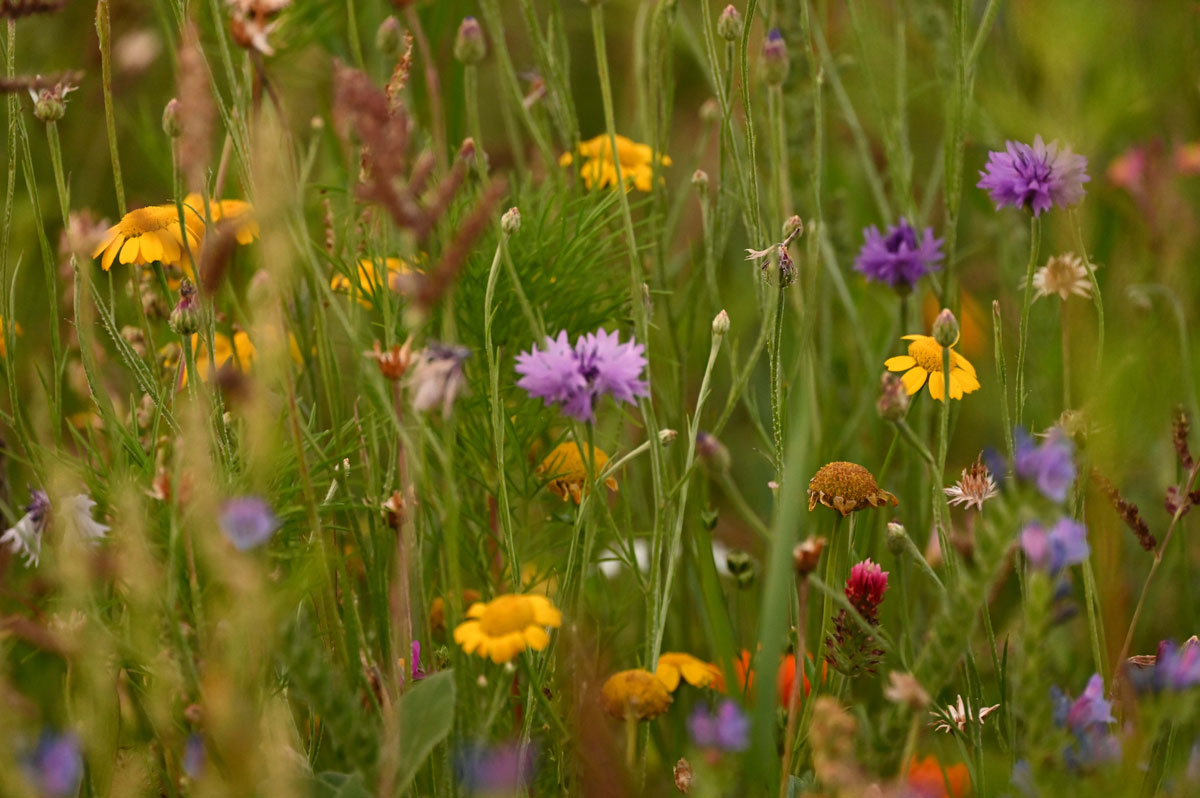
[[940, 500], [104, 33], [1035, 236], [777, 379], [1097, 299], [497, 413]]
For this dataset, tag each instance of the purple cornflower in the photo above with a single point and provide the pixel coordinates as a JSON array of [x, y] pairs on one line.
[[1087, 718], [1063, 544], [1035, 178], [495, 770], [1175, 668], [1050, 465], [576, 377], [248, 522], [727, 730], [900, 258], [194, 756], [57, 765]]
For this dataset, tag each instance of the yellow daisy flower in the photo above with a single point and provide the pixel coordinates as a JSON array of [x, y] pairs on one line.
[[846, 487], [150, 234], [598, 169], [568, 470], [238, 352], [924, 360], [674, 665], [238, 212], [369, 281], [635, 695], [503, 627]]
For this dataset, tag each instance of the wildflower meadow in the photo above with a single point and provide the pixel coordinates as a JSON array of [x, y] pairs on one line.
[[606, 398]]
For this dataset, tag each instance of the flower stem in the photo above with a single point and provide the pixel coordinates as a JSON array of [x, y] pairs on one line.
[[940, 500], [497, 413], [1035, 236], [1096, 298], [1002, 376], [1066, 356], [777, 381], [104, 34], [793, 712]]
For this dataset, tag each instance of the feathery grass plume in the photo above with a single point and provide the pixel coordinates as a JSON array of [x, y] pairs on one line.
[[1128, 511]]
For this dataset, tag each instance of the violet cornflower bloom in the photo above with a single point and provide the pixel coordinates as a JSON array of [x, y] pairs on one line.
[[1050, 465], [576, 377], [495, 770], [1051, 550], [57, 765], [900, 258], [1036, 177], [1087, 718], [195, 756], [1175, 668], [248, 521], [727, 730]]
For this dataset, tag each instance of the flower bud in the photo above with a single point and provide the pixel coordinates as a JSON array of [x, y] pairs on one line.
[[806, 555], [775, 61], [469, 47], [712, 452], [710, 110], [170, 119], [945, 328], [897, 538], [720, 324], [185, 318], [793, 227], [700, 181], [510, 222], [389, 37], [730, 24], [741, 566], [893, 401], [49, 106]]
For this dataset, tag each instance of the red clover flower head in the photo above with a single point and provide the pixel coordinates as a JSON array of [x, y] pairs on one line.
[[865, 588], [1034, 177]]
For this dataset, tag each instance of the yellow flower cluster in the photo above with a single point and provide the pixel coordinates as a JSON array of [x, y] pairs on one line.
[[502, 628], [599, 168]]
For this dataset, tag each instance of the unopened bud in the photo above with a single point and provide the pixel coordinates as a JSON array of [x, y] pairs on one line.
[[893, 401], [729, 24], [388, 37], [741, 567], [806, 555], [945, 328], [510, 222], [793, 227], [700, 181], [710, 110], [185, 318], [467, 151], [469, 47], [720, 324], [775, 62], [170, 119], [897, 538], [49, 106], [712, 452]]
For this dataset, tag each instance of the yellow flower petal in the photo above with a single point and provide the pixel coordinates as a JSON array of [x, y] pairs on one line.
[[900, 363], [913, 379]]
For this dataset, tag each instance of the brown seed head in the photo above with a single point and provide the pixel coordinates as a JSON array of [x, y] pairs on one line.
[[847, 487], [806, 555]]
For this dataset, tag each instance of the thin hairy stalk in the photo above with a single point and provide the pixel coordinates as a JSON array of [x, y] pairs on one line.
[[940, 500], [495, 23], [1002, 376], [777, 378], [104, 33], [793, 709], [1035, 236], [497, 416], [1097, 299]]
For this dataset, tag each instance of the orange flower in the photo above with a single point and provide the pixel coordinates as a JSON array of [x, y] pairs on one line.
[[928, 779], [785, 676]]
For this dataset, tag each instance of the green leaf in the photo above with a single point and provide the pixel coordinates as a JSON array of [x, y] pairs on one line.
[[426, 717], [339, 785]]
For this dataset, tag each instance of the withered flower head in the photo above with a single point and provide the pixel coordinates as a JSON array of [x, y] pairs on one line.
[[893, 401], [974, 487], [806, 555], [958, 716], [393, 362], [903, 688], [1129, 512], [846, 487]]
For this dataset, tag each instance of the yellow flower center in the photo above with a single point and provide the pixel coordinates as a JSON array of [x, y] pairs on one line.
[[505, 615], [147, 220], [927, 352]]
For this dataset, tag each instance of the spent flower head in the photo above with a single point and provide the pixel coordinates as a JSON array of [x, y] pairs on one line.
[[974, 487], [1035, 177], [1064, 274], [438, 377]]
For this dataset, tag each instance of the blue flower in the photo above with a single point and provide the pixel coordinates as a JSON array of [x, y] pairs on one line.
[[1175, 668], [1087, 718], [1051, 550], [1036, 177], [900, 258], [494, 770], [1051, 466], [57, 765], [248, 522], [727, 730]]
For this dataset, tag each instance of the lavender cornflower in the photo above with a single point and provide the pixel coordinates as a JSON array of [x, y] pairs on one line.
[[576, 377], [1087, 718], [1062, 545], [438, 376], [57, 765], [248, 521], [726, 730], [195, 756], [1035, 178], [1050, 465], [900, 258], [25, 537], [495, 770], [1174, 667]]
